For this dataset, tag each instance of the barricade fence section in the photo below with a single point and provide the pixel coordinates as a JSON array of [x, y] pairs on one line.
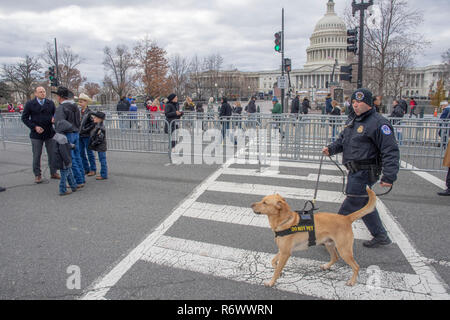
[[258, 137]]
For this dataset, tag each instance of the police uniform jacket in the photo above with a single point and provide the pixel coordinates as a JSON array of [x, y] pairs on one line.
[[369, 137]]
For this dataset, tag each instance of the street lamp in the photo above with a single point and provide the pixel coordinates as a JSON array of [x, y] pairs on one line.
[[217, 93]]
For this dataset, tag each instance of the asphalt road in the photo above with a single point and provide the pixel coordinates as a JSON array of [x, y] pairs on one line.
[[154, 231]]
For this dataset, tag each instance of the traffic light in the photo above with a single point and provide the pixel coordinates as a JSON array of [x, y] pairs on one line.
[[278, 43], [347, 73], [287, 65], [352, 40], [52, 77]]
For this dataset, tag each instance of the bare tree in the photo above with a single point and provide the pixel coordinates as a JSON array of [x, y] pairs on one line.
[[391, 43], [92, 88], [119, 66], [23, 76], [195, 83], [212, 66], [178, 70]]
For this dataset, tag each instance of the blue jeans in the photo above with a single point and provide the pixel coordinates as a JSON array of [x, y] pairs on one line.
[[357, 186], [77, 164], [103, 164], [66, 176], [87, 165]]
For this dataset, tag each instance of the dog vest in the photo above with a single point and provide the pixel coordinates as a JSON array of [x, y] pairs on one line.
[[306, 224]]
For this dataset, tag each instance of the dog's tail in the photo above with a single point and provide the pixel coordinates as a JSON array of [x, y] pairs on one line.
[[369, 208]]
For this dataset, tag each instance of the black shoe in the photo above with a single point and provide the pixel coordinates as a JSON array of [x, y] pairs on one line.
[[445, 193], [2, 189], [376, 242]]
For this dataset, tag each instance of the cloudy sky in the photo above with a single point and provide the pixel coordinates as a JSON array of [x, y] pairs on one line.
[[240, 30]]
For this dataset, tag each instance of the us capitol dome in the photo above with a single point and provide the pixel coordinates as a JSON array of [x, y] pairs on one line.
[[328, 41]]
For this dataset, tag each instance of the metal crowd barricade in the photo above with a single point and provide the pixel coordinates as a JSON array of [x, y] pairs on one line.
[[301, 139], [213, 140], [13, 130], [136, 134]]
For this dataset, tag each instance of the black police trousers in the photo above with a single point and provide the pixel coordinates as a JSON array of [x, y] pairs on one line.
[[356, 185]]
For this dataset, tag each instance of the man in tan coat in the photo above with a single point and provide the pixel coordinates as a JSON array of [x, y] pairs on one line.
[[447, 164]]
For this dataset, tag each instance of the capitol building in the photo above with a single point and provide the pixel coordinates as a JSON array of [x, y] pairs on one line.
[[328, 45]]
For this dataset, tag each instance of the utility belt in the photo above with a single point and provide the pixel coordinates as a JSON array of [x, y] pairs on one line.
[[373, 166]]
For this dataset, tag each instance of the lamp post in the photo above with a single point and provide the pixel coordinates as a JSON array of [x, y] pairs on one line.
[[217, 93]]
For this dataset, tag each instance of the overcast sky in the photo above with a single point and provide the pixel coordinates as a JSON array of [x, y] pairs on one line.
[[240, 30]]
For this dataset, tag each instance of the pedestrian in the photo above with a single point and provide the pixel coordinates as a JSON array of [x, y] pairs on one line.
[[306, 105], [446, 163], [328, 106], [225, 113], [87, 124], [369, 150], [398, 111], [68, 111], [154, 114], [445, 117], [38, 116], [237, 108], [335, 112], [62, 158], [295, 106], [172, 113], [377, 103], [97, 142], [251, 107], [123, 106], [412, 106], [277, 108], [200, 114], [11, 108], [133, 115], [188, 105], [20, 107], [130, 98], [347, 105]]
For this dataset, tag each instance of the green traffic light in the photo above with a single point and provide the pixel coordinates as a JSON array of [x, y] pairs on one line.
[[277, 48]]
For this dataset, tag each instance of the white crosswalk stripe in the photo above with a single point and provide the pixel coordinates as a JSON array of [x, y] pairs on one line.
[[300, 276], [246, 217]]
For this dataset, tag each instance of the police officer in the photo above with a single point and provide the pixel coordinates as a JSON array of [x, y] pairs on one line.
[[369, 149]]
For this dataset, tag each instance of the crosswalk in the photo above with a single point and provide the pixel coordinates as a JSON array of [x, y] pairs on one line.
[[250, 263]]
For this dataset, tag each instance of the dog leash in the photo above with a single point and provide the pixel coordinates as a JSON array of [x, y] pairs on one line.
[[344, 183]]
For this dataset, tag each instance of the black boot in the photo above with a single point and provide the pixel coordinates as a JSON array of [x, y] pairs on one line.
[[445, 193], [378, 241], [2, 189]]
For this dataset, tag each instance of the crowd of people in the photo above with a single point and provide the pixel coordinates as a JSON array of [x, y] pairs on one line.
[[71, 134]]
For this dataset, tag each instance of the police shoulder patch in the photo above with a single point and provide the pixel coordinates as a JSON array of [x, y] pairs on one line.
[[386, 130]]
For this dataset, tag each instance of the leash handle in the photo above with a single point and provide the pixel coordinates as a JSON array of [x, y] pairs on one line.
[[343, 184]]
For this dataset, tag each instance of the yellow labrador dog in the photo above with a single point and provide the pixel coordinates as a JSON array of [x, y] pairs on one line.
[[332, 230]]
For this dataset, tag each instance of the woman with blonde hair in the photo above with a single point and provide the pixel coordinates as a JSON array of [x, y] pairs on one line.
[[189, 105]]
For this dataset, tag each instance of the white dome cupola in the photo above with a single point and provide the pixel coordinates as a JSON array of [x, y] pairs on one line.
[[328, 41]]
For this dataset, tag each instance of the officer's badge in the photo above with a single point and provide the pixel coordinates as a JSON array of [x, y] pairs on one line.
[[361, 129], [386, 130], [359, 96]]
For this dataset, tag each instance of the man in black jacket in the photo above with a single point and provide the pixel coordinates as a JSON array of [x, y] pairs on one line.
[[38, 116], [225, 112], [68, 111], [295, 107], [172, 113], [305, 105], [370, 150]]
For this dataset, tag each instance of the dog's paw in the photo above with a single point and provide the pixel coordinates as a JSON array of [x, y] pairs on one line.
[[350, 283], [325, 267], [269, 284]]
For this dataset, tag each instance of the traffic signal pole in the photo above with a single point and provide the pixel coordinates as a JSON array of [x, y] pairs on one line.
[[362, 7], [57, 64]]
